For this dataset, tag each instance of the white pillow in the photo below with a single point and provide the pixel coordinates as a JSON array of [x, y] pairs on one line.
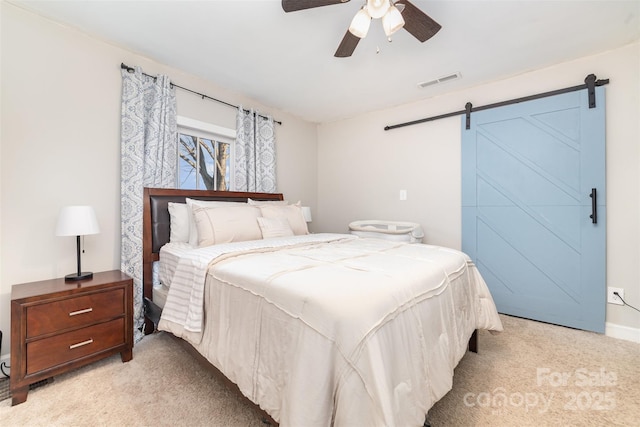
[[274, 227], [226, 224], [180, 222], [293, 214], [267, 202], [193, 230]]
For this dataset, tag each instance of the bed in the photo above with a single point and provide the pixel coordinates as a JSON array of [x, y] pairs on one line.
[[316, 329]]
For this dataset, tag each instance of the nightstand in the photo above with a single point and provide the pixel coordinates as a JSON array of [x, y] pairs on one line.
[[57, 326]]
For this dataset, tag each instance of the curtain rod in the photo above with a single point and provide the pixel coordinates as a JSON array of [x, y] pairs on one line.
[[590, 83], [131, 70]]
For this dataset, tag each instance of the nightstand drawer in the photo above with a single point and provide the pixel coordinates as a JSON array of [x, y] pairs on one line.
[[74, 312], [49, 352]]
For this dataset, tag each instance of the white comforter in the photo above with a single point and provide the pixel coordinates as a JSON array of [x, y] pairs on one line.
[[352, 332]]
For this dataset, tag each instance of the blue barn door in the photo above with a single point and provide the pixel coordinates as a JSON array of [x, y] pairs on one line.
[[528, 171]]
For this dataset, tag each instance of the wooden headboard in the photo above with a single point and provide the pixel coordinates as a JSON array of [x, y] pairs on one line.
[[156, 221]]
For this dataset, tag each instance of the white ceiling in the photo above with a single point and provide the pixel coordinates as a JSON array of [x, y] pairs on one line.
[[285, 60]]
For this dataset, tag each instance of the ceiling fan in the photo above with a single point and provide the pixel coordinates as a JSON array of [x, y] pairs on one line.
[[395, 15]]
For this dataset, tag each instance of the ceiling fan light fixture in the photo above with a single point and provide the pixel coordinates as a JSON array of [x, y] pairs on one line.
[[377, 8], [395, 14], [360, 24], [392, 21]]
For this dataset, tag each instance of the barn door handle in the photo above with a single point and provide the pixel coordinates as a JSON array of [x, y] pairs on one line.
[[594, 207]]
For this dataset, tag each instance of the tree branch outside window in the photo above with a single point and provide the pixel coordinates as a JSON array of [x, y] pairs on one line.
[[203, 163]]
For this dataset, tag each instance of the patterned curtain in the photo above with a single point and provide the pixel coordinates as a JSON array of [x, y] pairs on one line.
[[255, 152], [148, 159]]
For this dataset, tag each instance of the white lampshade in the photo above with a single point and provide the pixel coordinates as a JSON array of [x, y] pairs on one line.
[[306, 212], [77, 221], [392, 21], [377, 8], [360, 24]]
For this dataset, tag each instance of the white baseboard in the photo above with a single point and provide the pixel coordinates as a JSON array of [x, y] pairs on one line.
[[622, 332]]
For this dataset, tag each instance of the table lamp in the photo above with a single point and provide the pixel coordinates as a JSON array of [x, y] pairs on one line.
[[77, 221]]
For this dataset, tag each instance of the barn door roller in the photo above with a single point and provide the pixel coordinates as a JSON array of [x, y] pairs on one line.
[[590, 81]]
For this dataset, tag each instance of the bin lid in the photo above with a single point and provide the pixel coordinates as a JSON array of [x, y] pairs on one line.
[[386, 227]]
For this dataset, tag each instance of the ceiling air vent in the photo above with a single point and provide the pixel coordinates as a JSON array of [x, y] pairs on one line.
[[440, 80]]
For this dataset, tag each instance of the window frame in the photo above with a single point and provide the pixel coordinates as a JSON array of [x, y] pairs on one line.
[[199, 129]]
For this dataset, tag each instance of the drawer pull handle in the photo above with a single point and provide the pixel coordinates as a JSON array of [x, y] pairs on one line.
[[86, 310], [80, 344]]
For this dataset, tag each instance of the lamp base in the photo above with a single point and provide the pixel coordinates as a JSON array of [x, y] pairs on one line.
[[74, 277]]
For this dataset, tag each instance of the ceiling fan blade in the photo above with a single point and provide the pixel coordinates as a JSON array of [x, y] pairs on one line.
[[294, 5], [347, 45], [417, 22]]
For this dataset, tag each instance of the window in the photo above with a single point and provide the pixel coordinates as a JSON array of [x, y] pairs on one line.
[[205, 156]]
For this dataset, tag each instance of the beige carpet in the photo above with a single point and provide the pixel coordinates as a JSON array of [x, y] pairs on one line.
[[531, 374]]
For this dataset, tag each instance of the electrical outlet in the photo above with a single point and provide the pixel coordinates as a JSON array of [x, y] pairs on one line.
[[614, 299]]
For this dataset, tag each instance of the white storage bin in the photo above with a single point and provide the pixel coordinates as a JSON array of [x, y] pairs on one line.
[[389, 230]]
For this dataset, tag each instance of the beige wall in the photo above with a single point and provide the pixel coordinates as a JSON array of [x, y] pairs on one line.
[[60, 145], [362, 168]]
